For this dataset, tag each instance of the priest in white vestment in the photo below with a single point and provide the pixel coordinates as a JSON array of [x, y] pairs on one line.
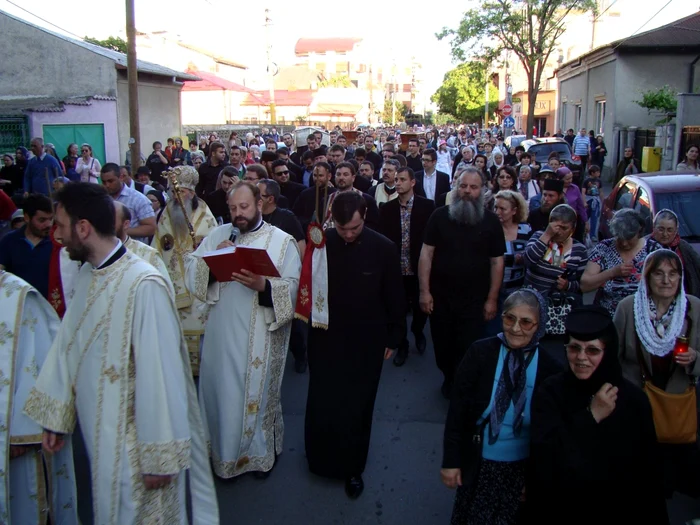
[[28, 325], [174, 241], [119, 363], [245, 340]]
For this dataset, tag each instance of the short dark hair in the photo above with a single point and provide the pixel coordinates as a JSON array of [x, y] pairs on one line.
[[406, 169], [90, 202], [593, 169], [235, 147], [308, 154], [272, 188], [284, 150], [369, 163], [214, 147], [268, 156], [311, 136], [229, 171], [143, 170], [110, 167], [413, 140], [345, 164], [401, 159], [157, 142], [126, 213], [258, 169], [337, 147], [345, 205], [360, 152], [36, 202], [127, 168], [324, 165], [431, 153], [270, 139], [277, 163], [526, 155]]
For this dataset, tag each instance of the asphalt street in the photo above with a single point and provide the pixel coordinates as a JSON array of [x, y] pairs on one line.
[[402, 481]]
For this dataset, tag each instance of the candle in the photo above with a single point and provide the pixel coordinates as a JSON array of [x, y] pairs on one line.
[[681, 345]]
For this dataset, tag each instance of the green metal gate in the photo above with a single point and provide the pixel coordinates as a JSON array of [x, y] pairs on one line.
[[14, 132], [61, 135]]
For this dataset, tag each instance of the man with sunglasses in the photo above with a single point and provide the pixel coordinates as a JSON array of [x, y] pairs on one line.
[[290, 189]]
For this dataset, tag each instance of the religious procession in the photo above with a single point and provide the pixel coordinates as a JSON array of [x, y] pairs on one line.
[[153, 332]]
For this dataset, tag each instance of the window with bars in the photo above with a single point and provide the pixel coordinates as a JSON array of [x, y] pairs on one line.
[[14, 132]]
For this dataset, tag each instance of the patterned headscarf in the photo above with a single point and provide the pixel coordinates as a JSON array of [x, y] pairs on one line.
[[512, 383]]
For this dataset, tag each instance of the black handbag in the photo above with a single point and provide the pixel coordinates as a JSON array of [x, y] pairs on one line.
[[470, 473]]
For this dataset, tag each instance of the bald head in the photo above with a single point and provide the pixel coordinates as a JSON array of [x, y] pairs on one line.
[[122, 219]]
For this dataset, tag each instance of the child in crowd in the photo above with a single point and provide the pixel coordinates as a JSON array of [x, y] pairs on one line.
[[593, 191]]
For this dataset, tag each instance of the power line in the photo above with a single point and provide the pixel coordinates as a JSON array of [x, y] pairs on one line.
[[644, 24], [44, 20], [606, 10]]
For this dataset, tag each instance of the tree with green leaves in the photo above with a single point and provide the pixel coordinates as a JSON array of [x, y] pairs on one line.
[[337, 81], [528, 28], [401, 111], [463, 93], [113, 42]]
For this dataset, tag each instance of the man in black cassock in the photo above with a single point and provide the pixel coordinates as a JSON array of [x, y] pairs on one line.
[[366, 321]]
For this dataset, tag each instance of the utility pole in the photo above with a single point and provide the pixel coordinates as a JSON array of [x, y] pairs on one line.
[[133, 79], [270, 73], [486, 97]]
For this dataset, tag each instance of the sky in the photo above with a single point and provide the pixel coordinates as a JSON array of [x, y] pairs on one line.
[[236, 30]]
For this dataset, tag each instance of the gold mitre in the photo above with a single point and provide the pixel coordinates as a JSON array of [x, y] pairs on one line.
[[186, 177]]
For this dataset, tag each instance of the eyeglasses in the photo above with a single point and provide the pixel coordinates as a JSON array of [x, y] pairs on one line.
[[282, 172], [590, 351], [504, 176], [86, 151], [426, 160], [264, 196], [509, 321], [659, 275]]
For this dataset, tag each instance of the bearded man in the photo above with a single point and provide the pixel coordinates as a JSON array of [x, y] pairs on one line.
[[460, 272], [174, 242], [119, 367], [246, 339]]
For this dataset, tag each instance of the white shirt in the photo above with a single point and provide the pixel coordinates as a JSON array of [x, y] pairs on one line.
[[429, 184]]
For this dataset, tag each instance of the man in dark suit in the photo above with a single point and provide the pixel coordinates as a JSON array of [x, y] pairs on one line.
[[289, 188], [431, 183], [405, 218], [297, 171], [312, 199]]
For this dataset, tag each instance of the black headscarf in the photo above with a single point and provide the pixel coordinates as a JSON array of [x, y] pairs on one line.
[[587, 323]]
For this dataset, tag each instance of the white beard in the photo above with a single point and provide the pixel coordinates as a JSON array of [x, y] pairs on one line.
[[465, 211], [177, 217]]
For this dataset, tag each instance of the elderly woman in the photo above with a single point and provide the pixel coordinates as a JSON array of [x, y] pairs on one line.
[[528, 187], [648, 324], [87, 166], [487, 433], [666, 235], [593, 430], [615, 265], [554, 260]]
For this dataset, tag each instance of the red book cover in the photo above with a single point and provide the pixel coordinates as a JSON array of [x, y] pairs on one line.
[[233, 259]]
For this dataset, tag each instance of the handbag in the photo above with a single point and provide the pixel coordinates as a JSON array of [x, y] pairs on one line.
[[559, 306], [469, 475], [675, 415]]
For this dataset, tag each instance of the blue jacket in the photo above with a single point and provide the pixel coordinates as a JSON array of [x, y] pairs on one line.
[[35, 174]]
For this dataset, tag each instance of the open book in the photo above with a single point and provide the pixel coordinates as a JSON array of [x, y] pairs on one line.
[[233, 259]]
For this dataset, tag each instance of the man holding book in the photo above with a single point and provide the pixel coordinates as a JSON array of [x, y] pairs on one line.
[[246, 336]]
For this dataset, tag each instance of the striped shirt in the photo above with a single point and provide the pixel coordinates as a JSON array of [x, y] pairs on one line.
[[543, 276]]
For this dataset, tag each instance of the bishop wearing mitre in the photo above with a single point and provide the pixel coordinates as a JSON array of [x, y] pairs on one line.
[[184, 223]]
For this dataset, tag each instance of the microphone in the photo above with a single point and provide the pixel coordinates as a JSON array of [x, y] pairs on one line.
[[235, 232]]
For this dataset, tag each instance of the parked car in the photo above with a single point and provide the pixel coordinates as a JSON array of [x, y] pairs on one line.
[[544, 146], [513, 140], [651, 192]]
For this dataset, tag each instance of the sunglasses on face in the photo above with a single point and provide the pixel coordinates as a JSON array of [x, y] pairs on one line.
[[509, 321], [590, 351]]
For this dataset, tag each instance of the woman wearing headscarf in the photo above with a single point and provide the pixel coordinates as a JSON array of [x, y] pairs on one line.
[[648, 324], [666, 235], [11, 173], [491, 399], [593, 433]]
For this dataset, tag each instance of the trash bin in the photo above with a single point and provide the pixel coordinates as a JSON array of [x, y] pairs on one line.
[[651, 159]]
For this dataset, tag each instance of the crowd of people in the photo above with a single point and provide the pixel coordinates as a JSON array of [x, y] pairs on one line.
[[116, 320]]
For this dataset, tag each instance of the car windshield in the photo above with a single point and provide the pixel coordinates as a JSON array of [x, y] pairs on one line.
[[543, 150], [687, 206]]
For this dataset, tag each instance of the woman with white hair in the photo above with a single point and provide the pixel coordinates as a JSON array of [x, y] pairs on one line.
[[615, 265], [666, 234]]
